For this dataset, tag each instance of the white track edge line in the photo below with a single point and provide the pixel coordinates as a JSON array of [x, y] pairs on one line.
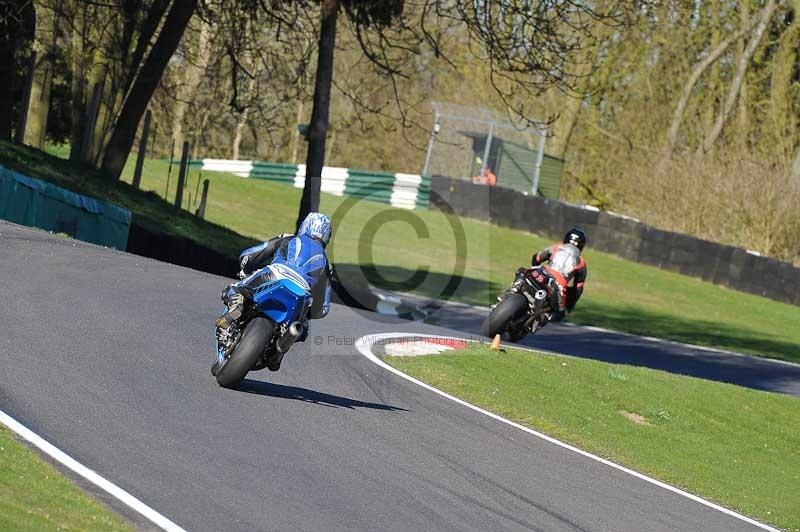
[[70, 463], [365, 343]]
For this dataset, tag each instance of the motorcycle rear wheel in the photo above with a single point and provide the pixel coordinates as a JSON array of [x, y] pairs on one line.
[[510, 308], [254, 340]]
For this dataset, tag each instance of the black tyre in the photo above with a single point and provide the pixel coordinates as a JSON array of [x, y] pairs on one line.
[[510, 308], [246, 353]]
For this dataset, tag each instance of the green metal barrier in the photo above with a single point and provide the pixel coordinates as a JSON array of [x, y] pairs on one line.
[[35, 203], [407, 191]]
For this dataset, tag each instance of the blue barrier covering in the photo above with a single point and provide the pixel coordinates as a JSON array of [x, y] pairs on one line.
[[37, 203]]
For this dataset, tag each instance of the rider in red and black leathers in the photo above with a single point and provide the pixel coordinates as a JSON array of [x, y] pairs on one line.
[[568, 268]]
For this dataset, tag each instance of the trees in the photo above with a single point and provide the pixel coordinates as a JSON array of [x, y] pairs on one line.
[[108, 49], [45, 48], [146, 81], [528, 48], [741, 69], [17, 25], [690, 86]]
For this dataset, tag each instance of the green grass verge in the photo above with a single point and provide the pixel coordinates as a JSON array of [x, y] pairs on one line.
[[729, 444], [620, 294], [34, 496]]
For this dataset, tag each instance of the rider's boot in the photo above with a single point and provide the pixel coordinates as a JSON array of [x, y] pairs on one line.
[[234, 310], [274, 364], [544, 319], [304, 335], [516, 287]]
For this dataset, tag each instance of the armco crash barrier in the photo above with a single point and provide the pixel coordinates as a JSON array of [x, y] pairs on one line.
[[406, 191], [36, 203], [626, 237]]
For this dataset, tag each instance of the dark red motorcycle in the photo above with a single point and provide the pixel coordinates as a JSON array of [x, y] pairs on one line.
[[525, 308]]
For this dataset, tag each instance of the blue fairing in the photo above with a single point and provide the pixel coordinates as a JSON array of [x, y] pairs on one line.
[[280, 300]]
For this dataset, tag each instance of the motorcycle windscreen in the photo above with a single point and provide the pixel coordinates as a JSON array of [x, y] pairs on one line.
[[565, 259]]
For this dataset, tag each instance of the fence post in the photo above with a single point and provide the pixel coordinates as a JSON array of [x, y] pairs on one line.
[[182, 175], [201, 210], [137, 172], [169, 172], [539, 157], [197, 187], [434, 132], [153, 142], [486, 150]]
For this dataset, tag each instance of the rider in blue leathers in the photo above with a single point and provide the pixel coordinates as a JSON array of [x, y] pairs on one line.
[[303, 253]]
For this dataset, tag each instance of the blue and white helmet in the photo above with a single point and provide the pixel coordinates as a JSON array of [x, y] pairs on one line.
[[316, 225]]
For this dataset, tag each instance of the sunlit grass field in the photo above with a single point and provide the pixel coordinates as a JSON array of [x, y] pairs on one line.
[[732, 445], [34, 496]]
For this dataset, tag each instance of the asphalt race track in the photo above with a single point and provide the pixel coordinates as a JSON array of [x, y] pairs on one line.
[[107, 356]]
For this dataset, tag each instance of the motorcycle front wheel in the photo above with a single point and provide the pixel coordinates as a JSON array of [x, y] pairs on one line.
[[510, 308], [255, 338]]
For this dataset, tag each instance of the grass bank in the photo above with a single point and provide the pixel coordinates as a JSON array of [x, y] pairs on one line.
[[148, 209], [729, 444], [34, 496]]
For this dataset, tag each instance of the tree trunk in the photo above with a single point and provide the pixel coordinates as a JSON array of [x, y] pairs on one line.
[[318, 128], [713, 89], [565, 125], [295, 131], [329, 145], [744, 16], [688, 87], [78, 87], [741, 69], [17, 26], [146, 82], [199, 135], [39, 106], [191, 80], [237, 138], [795, 170], [242, 121], [781, 114]]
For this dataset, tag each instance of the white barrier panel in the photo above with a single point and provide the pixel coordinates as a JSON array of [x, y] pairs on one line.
[[404, 192]]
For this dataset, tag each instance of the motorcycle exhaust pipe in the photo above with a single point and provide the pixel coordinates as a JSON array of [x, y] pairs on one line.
[[292, 334]]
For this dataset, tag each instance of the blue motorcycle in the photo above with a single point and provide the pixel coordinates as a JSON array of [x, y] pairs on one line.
[[271, 323]]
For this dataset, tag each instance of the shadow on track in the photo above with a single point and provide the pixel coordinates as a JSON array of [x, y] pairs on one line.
[[669, 324], [426, 283], [270, 389]]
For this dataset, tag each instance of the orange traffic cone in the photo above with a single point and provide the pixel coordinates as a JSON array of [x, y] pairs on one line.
[[495, 343]]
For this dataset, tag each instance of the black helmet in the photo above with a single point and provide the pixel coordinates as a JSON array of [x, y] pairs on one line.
[[577, 237]]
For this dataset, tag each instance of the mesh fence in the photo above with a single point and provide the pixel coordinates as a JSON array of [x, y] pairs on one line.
[[478, 145]]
